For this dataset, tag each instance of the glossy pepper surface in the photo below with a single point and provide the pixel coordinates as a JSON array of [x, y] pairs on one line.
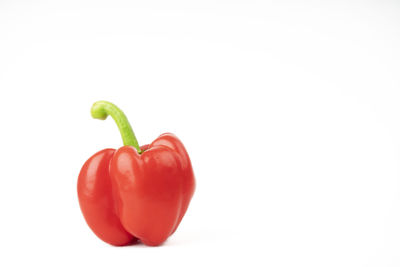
[[135, 192]]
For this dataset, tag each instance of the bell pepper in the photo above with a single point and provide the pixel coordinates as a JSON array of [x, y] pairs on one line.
[[135, 192]]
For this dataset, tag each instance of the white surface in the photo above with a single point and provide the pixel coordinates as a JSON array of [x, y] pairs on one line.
[[290, 112]]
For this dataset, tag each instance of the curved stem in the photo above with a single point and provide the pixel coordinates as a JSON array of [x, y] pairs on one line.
[[101, 109]]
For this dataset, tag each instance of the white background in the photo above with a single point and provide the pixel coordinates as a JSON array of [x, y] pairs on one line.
[[290, 111]]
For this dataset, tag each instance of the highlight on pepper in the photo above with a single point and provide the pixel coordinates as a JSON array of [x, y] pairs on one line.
[[135, 192]]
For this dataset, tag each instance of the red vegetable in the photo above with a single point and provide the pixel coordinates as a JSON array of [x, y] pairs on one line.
[[135, 192]]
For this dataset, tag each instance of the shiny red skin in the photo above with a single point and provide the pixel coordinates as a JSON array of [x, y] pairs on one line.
[[125, 195], [97, 202]]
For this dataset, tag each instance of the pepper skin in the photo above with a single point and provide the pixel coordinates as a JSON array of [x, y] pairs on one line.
[[135, 193], [97, 202]]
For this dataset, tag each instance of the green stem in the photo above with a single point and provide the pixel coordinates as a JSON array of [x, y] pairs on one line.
[[101, 109]]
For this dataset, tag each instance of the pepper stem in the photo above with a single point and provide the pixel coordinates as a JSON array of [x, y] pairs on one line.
[[101, 109]]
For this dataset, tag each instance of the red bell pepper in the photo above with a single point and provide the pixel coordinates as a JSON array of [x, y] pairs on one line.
[[135, 192]]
